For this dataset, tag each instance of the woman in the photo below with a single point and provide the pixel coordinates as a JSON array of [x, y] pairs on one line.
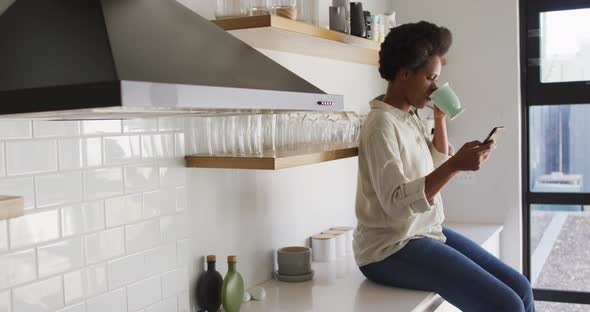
[[399, 239]]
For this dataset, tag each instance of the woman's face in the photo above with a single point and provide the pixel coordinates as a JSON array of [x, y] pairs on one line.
[[420, 83]]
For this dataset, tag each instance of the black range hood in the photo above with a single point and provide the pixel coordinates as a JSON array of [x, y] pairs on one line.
[[136, 55]]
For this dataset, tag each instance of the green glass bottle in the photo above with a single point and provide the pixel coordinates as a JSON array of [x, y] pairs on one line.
[[232, 291]]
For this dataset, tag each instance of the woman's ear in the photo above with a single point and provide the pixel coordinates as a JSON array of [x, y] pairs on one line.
[[403, 74]]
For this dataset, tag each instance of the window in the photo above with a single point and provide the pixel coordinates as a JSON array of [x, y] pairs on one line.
[[555, 51]]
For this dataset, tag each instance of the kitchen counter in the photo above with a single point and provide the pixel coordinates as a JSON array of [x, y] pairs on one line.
[[340, 286]]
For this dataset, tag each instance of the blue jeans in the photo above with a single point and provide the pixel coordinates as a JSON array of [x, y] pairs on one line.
[[460, 271]]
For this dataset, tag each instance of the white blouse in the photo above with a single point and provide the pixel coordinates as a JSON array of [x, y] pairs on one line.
[[395, 155]]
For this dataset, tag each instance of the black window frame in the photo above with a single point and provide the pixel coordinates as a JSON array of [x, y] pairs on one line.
[[535, 93]]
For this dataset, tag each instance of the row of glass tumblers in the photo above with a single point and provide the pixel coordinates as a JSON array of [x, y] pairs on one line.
[[271, 133]]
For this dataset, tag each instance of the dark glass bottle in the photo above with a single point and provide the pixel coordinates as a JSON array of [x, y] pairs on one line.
[[208, 290]]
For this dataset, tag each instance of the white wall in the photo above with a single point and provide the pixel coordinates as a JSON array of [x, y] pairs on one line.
[[483, 68]]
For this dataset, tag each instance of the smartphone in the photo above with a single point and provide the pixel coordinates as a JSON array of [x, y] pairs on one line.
[[493, 134]]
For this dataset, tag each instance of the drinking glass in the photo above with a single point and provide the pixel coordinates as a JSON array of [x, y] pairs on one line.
[[260, 7], [231, 8], [218, 146], [269, 133], [199, 136], [255, 124], [286, 8]]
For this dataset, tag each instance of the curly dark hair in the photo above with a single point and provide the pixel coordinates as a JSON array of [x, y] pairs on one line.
[[410, 46]]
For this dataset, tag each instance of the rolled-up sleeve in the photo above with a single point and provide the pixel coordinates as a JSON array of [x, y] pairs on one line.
[[439, 158], [398, 195]]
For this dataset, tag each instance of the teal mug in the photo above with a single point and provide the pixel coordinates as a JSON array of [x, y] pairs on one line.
[[447, 101]]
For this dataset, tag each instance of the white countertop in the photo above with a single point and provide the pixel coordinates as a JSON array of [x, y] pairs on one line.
[[340, 286]]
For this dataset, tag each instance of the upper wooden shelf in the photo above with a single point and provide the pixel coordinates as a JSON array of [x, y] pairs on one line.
[[270, 162], [282, 34]]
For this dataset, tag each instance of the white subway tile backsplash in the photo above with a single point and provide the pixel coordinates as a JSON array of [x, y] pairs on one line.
[[140, 178], [183, 251], [20, 187], [51, 128], [172, 176], [174, 282], [158, 203], [85, 283], [90, 127], [160, 259], [142, 236], [179, 150], [123, 210], [166, 305], [144, 293], [127, 270], [23, 157], [17, 268], [170, 123], [157, 146], [2, 169], [80, 307], [42, 296], [60, 188], [104, 245], [3, 236], [174, 227], [121, 149], [75, 153], [60, 257], [140, 125], [183, 302], [15, 129], [82, 218], [5, 305], [111, 244], [181, 199], [101, 183], [33, 228], [114, 301]]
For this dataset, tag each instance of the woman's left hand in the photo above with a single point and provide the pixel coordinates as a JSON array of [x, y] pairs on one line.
[[437, 112]]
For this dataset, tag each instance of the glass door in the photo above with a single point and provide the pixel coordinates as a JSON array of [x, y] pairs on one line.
[[555, 43]]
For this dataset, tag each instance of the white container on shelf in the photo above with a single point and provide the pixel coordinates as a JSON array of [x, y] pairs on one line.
[[323, 247], [340, 242], [347, 232]]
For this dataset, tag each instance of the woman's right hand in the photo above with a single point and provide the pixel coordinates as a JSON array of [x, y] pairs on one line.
[[472, 155]]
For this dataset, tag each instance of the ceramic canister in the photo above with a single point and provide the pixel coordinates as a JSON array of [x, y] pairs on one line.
[[347, 231], [324, 247], [340, 242]]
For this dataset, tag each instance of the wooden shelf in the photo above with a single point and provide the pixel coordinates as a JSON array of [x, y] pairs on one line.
[[269, 162], [282, 34], [11, 207]]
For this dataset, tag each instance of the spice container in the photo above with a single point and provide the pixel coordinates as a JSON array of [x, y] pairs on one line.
[[347, 232], [340, 242], [323, 247]]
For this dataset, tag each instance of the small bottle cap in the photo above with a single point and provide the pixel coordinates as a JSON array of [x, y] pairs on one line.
[[232, 259], [211, 258]]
